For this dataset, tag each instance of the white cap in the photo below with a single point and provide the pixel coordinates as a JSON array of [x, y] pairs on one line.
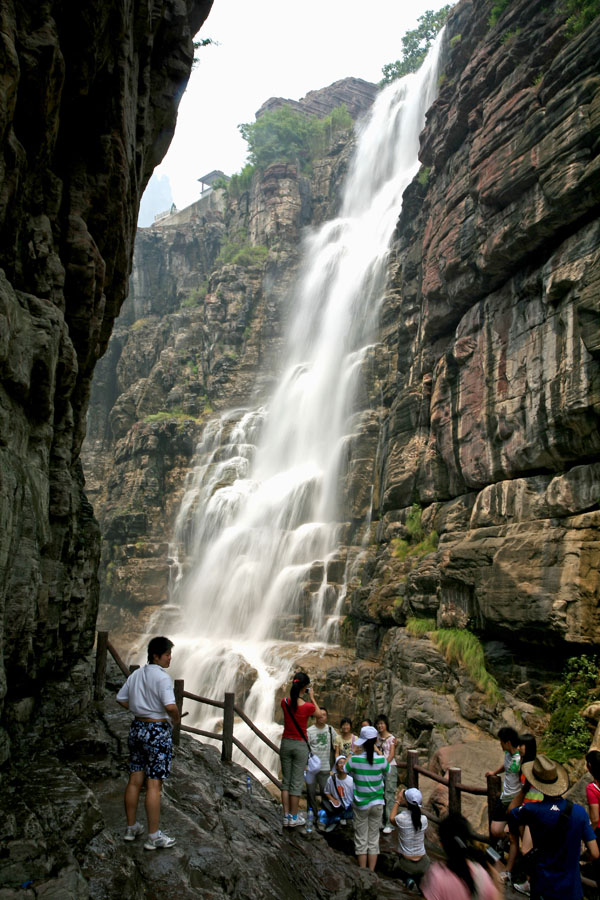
[[367, 733]]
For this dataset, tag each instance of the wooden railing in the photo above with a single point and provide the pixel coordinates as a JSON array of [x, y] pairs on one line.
[[455, 787], [452, 781], [228, 705]]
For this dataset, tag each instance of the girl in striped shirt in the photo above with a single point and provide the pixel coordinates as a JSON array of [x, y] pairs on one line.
[[368, 771]]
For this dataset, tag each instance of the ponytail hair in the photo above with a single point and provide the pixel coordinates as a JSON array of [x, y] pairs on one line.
[[457, 842], [370, 749], [299, 682], [415, 814], [530, 747]]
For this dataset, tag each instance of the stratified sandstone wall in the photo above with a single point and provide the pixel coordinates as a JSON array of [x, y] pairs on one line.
[[88, 100], [494, 426]]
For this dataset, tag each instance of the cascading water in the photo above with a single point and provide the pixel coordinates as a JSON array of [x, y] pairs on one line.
[[260, 512]]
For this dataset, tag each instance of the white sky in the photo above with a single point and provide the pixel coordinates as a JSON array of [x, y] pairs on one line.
[[274, 48]]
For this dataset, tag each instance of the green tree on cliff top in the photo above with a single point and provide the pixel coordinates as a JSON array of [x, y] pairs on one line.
[[415, 44], [288, 135]]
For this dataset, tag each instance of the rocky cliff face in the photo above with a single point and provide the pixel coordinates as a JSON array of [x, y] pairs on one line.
[[88, 97], [355, 94], [485, 474], [493, 428], [475, 461]]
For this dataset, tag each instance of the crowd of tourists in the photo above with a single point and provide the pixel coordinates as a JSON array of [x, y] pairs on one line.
[[537, 831], [352, 777]]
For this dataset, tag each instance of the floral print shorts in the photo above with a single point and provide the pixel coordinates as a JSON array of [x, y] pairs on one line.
[[150, 748]]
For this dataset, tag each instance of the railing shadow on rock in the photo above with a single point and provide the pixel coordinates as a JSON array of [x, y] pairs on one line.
[[228, 705]]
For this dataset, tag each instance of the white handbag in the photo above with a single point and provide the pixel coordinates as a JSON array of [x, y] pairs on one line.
[[313, 766]]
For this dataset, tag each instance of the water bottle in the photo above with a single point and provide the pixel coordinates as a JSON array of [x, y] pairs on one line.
[[309, 821], [248, 785]]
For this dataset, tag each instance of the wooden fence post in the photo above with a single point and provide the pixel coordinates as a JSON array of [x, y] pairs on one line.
[[412, 776], [228, 714], [100, 673], [454, 802], [178, 688], [494, 789]]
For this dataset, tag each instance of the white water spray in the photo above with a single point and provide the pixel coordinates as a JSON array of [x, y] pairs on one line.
[[258, 520]]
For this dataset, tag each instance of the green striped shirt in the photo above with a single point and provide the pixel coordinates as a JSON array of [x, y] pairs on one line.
[[368, 779]]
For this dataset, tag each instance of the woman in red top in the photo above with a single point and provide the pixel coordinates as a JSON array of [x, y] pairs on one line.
[[294, 747]]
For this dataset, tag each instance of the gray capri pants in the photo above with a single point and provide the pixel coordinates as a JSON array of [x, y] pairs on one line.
[[366, 829], [294, 756]]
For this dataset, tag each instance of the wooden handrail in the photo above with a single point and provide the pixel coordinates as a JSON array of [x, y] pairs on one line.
[[216, 735], [228, 706], [432, 775], [471, 789], [218, 703], [115, 655], [452, 781], [257, 731], [257, 763]]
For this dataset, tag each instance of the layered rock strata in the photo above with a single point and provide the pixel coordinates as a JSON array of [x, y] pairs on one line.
[[355, 94], [493, 428]]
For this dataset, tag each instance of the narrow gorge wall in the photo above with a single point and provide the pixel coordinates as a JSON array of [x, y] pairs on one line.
[[493, 428], [88, 100]]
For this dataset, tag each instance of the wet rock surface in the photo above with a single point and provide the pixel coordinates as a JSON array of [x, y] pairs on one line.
[[89, 100], [480, 403]]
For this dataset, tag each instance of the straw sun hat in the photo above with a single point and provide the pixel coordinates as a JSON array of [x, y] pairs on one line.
[[546, 775]]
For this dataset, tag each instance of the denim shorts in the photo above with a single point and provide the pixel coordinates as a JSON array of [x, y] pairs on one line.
[[150, 748]]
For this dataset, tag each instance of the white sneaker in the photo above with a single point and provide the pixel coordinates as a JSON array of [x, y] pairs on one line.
[[161, 840], [296, 820], [286, 820], [505, 878], [133, 831], [388, 829], [524, 888]]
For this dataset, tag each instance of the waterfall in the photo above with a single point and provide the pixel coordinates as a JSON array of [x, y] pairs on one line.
[[257, 530]]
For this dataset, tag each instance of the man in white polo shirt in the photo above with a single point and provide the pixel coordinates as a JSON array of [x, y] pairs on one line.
[[148, 693]]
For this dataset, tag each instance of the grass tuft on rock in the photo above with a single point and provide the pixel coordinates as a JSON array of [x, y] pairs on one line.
[[419, 627], [461, 647]]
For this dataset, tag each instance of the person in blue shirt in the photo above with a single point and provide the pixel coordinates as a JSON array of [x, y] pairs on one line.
[[557, 829]]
